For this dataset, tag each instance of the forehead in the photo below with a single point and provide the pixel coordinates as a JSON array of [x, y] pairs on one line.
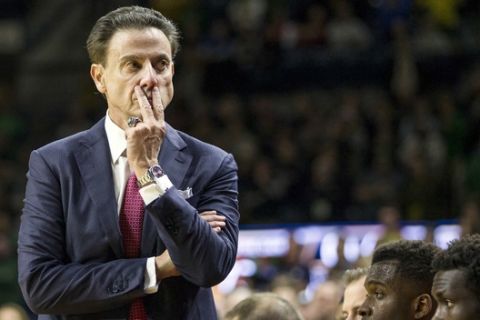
[[147, 41], [355, 293], [383, 272], [450, 282]]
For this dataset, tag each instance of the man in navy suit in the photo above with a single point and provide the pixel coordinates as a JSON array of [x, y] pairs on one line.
[[72, 261]]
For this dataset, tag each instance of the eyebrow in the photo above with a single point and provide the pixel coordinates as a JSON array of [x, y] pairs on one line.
[[137, 57], [438, 293], [373, 282]]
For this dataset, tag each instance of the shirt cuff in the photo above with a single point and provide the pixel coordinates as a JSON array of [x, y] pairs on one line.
[[153, 191], [150, 285]]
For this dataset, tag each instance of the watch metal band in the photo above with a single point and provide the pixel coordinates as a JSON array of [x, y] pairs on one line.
[[145, 180]]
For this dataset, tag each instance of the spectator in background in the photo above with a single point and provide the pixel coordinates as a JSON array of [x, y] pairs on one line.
[[226, 301], [263, 306], [288, 287], [354, 294], [345, 31], [470, 216], [9, 291], [324, 304], [456, 285], [389, 217], [12, 311], [399, 282]]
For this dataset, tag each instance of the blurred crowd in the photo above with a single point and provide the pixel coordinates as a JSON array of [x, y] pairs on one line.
[[332, 109], [335, 108]]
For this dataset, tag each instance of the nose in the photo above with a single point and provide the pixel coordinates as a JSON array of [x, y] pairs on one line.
[[364, 310], [148, 78], [353, 316]]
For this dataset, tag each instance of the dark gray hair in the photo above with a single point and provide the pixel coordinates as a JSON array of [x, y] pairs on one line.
[[352, 275], [133, 17], [263, 306]]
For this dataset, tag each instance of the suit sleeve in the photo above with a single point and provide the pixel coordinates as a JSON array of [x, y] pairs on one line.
[[50, 282], [203, 256]]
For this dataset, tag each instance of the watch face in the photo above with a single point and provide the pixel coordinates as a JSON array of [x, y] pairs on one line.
[[157, 171]]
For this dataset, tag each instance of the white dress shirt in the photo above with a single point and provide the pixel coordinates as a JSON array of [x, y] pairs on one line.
[[121, 172]]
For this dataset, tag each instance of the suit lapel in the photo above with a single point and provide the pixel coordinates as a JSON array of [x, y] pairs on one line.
[[93, 160], [175, 160]]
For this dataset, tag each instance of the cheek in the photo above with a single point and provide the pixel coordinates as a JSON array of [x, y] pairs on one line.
[[464, 312], [169, 90], [168, 82], [387, 309], [113, 86]]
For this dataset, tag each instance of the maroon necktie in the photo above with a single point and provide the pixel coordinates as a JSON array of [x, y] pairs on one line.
[[131, 222]]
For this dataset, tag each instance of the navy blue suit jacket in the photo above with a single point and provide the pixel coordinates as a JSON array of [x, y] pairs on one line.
[[71, 259]]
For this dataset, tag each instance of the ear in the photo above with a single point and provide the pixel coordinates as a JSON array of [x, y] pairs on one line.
[[423, 306], [96, 72]]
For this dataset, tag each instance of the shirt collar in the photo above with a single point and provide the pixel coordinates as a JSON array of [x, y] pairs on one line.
[[116, 138]]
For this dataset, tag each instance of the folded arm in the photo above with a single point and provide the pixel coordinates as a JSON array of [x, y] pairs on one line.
[[201, 255]]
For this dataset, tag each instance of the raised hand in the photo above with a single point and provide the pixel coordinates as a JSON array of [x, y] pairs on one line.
[[145, 137]]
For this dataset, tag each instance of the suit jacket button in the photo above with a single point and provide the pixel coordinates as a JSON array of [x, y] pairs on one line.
[[115, 288]]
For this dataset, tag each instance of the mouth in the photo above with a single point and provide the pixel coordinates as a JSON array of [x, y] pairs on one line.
[[150, 101]]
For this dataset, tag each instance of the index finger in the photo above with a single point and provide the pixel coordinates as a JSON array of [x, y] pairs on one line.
[[145, 107], [158, 106]]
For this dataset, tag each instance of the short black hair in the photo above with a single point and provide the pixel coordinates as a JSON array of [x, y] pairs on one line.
[[462, 254], [414, 259]]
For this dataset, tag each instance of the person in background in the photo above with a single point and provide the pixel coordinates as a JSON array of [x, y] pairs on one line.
[[470, 216], [399, 281], [263, 306], [354, 294], [389, 216], [12, 311], [456, 285], [111, 225], [324, 304]]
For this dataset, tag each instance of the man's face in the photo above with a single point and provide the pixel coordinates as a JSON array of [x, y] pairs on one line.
[[134, 57], [386, 297], [353, 297], [455, 300]]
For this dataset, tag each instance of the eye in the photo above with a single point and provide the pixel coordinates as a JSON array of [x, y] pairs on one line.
[[449, 303], [379, 294], [161, 65], [132, 65]]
